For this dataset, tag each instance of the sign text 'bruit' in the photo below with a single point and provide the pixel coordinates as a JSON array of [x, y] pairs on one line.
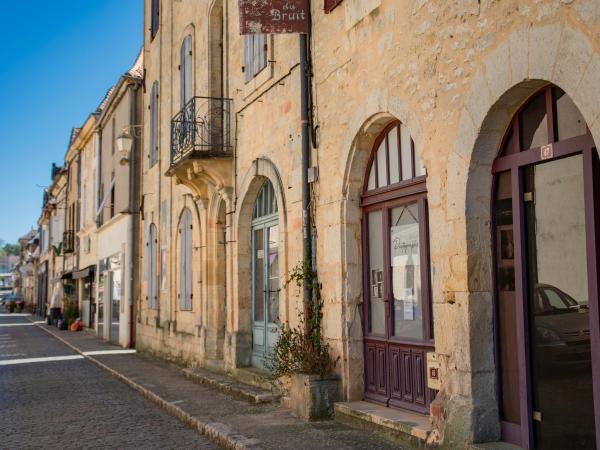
[[273, 16]]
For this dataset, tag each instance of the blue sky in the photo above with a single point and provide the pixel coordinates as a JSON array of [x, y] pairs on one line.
[[57, 60]]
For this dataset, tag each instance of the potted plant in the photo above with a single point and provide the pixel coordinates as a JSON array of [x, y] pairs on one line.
[[301, 362], [11, 306]]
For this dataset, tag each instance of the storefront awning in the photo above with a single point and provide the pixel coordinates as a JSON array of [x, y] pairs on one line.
[[84, 273], [67, 276]]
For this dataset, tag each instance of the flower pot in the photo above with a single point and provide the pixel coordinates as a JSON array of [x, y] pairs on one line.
[[311, 397]]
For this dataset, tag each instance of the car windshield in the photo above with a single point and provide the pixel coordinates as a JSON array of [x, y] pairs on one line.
[[549, 300]]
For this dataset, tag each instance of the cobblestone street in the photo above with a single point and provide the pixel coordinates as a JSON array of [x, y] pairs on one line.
[[72, 403]]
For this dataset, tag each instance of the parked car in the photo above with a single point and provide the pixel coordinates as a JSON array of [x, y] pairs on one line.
[[4, 295], [562, 329]]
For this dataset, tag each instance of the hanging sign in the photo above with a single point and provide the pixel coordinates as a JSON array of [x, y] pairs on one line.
[[273, 16]]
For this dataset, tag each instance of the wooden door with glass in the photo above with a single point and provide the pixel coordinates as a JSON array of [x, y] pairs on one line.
[[397, 304], [265, 275]]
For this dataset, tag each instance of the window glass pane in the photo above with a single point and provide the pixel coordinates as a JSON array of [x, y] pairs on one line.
[[394, 155], [259, 280], [405, 153], [371, 183], [569, 119], [534, 127], [419, 167], [377, 306], [508, 144], [382, 165], [406, 272], [507, 308], [273, 263]]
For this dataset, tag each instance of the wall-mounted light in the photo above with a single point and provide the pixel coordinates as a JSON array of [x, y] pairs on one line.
[[125, 143]]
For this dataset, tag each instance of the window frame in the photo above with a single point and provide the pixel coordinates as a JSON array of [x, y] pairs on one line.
[[255, 55], [186, 247], [154, 18], [154, 128]]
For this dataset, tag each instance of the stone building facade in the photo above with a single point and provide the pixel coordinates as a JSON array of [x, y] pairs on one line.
[[416, 109]]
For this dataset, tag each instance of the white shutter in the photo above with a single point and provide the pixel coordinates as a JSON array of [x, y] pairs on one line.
[[182, 272], [188, 264], [247, 58], [188, 69], [152, 282]]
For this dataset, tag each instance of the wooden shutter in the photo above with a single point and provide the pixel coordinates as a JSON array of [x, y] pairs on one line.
[[331, 4], [154, 124], [154, 18], [186, 70], [185, 261], [188, 264], [152, 281], [248, 46]]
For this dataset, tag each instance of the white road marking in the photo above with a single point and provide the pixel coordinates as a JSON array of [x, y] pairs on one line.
[[40, 321], [10, 362], [30, 324], [15, 315], [110, 352]]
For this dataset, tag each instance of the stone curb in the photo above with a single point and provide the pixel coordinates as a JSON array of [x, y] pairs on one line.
[[217, 432]]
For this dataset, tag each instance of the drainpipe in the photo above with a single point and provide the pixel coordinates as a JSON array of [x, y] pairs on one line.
[[306, 219], [133, 211]]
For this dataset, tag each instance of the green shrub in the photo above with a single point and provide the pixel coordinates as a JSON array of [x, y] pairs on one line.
[[70, 314], [301, 350]]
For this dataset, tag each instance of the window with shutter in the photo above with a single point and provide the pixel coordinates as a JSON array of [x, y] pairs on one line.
[[185, 261], [154, 18], [255, 55], [153, 154], [186, 72]]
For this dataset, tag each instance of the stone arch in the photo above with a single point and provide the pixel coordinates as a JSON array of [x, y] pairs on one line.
[[369, 122], [510, 74], [261, 169]]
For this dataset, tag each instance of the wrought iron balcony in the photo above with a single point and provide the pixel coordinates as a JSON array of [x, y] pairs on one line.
[[68, 243], [202, 129]]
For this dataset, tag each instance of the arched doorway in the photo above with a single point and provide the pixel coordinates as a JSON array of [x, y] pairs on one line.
[[546, 284], [265, 274], [396, 278]]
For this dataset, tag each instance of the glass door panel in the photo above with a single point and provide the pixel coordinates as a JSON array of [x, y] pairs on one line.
[[272, 271], [376, 275], [507, 301], [406, 272], [259, 288], [558, 305]]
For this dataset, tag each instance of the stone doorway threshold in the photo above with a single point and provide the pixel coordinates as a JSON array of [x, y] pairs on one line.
[[404, 427]]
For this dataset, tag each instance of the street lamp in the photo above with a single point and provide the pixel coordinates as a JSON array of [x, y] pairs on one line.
[[124, 144]]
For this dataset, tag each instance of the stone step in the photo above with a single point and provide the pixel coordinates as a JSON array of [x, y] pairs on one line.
[[254, 377], [228, 385], [404, 427]]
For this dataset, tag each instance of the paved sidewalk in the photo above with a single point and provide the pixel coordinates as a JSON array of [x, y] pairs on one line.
[[230, 422]]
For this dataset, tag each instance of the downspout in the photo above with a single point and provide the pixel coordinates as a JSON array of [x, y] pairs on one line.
[[133, 211], [306, 217]]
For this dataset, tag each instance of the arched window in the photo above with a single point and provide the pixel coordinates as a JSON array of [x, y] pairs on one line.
[[394, 159], [151, 255], [397, 305], [185, 261], [186, 71], [153, 154]]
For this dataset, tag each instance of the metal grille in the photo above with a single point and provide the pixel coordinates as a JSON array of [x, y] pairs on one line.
[[201, 129]]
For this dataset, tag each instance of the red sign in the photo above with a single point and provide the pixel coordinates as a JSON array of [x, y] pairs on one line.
[[273, 16]]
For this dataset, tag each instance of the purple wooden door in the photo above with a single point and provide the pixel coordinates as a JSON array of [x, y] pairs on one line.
[[397, 307]]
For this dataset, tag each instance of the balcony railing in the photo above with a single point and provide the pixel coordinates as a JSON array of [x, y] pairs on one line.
[[201, 129], [68, 242]]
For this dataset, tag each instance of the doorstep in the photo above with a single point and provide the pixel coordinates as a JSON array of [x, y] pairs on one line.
[[254, 377], [229, 385], [495, 446], [403, 426]]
